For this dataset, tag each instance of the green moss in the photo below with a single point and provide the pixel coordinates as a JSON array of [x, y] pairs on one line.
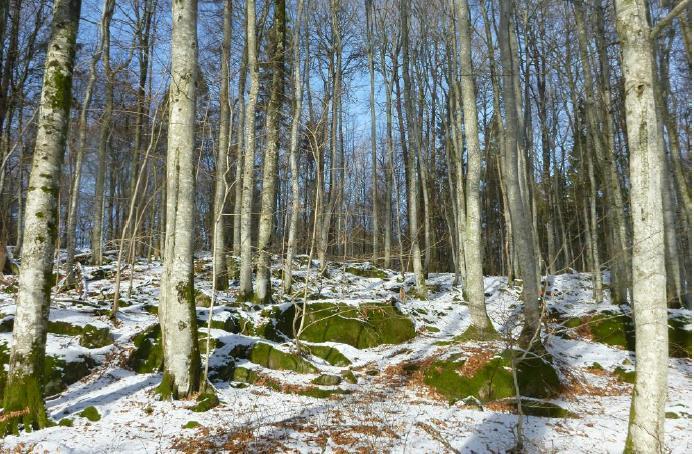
[[206, 401], [93, 337], [327, 380], [596, 366], [349, 376], [328, 353], [472, 333], [91, 413], [680, 339], [368, 271], [628, 376], [544, 409], [60, 327], [494, 380], [201, 299], [268, 356], [148, 355], [165, 389], [23, 397], [65, 422], [191, 425], [613, 329], [672, 415], [432, 329], [363, 326], [320, 393]]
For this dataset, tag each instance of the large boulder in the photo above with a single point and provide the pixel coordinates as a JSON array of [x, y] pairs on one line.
[[266, 355], [361, 325], [488, 378]]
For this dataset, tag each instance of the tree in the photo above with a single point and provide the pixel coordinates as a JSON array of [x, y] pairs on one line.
[[294, 145], [522, 233], [645, 136], [474, 281], [220, 189], [368, 6], [177, 301], [246, 271], [24, 387], [272, 126]]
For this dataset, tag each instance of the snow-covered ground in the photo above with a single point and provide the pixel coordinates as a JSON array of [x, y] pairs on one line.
[[385, 411]]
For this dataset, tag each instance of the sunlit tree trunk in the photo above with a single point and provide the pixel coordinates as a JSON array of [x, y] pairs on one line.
[[177, 300], [644, 134], [24, 386]]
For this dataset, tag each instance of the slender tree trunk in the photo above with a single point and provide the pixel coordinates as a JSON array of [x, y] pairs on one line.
[[177, 300], [104, 134], [263, 288], [294, 145], [474, 281], [246, 271], [222, 166], [415, 251], [522, 229], [24, 386], [372, 109]]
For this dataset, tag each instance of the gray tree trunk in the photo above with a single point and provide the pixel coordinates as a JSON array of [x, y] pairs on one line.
[[474, 281], [222, 165], [177, 300], [522, 228], [263, 286], [25, 377], [294, 145], [246, 271], [645, 135]]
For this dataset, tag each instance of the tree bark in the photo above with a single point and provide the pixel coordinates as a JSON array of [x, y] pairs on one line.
[[644, 134], [177, 301], [25, 378]]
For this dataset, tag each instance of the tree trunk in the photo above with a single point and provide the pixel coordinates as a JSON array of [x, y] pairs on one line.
[[294, 145], [104, 135], [177, 301], [644, 134], [220, 190], [522, 229], [474, 281], [246, 271], [24, 386], [263, 285]]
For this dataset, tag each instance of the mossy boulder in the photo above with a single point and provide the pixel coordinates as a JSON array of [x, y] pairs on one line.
[[91, 413], [328, 353], [362, 325], [266, 355], [191, 425], [205, 401], [327, 380], [148, 355], [541, 408], [65, 422], [94, 337], [628, 376], [202, 299], [493, 379], [366, 270], [90, 336], [58, 373], [680, 337]]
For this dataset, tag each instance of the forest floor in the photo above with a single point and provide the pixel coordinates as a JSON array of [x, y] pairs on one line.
[[407, 397]]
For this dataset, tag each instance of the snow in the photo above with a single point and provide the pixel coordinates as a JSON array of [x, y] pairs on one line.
[[383, 413]]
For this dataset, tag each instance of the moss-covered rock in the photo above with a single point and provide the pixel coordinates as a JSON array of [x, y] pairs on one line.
[[327, 380], [202, 299], [349, 376], [362, 326], [628, 376], [367, 270], [266, 355], [65, 328], [91, 413], [205, 402], [493, 379], [93, 337], [318, 393], [540, 408], [190, 425], [65, 422], [328, 353], [680, 337], [58, 373], [472, 333], [6, 323], [148, 355]]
